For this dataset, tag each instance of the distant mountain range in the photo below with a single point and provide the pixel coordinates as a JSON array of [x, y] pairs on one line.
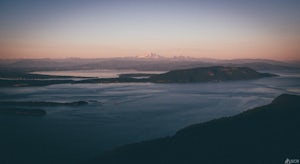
[[148, 62], [266, 134]]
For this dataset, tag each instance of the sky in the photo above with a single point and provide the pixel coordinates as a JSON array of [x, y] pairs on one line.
[[268, 29]]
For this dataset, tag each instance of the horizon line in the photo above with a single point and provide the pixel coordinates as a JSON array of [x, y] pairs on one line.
[[136, 57]]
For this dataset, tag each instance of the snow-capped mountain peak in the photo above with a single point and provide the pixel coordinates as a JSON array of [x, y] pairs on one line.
[[150, 56]]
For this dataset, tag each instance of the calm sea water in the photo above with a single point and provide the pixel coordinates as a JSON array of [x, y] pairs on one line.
[[94, 73], [122, 113]]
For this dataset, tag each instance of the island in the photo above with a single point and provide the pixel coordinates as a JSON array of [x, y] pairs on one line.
[[22, 112], [208, 74], [266, 134], [193, 75], [42, 103]]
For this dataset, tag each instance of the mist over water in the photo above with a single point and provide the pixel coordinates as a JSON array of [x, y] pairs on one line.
[[117, 114]]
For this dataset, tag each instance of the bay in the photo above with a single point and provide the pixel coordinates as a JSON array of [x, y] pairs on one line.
[[118, 114]]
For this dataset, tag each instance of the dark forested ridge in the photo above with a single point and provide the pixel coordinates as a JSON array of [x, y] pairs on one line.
[[206, 74], [266, 134]]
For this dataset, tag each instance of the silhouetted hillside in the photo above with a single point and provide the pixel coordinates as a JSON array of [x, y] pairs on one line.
[[266, 134], [206, 74]]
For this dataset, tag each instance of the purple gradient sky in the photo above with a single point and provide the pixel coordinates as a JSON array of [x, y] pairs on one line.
[[205, 29]]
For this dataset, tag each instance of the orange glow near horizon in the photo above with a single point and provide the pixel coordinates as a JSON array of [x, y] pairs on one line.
[[104, 29], [223, 50]]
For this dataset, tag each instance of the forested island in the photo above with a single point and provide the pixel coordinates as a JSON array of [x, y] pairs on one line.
[[208, 74]]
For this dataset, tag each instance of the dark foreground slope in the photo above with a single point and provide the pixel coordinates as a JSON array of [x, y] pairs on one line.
[[266, 134], [206, 74]]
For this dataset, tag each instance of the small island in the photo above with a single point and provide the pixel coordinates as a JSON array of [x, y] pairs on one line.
[[22, 112], [42, 103]]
